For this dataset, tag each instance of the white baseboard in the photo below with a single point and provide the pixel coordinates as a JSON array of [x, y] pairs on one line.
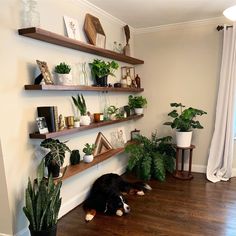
[[198, 168], [5, 234]]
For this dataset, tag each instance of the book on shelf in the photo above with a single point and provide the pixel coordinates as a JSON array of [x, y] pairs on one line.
[[51, 116]]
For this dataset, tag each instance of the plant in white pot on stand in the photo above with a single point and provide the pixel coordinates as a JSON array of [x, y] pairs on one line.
[[184, 122], [64, 77], [137, 103], [88, 150], [80, 103]]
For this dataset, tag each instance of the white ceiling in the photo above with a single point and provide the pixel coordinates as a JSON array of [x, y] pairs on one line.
[[148, 13]]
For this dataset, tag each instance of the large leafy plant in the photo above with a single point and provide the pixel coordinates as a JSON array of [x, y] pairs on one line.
[[57, 151], [137, 101], [151, 158], [80, 103], [184, 120], [100, 68], [42, 201]]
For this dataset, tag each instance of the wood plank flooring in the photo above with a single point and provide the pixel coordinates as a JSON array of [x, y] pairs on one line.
[[172, 208]]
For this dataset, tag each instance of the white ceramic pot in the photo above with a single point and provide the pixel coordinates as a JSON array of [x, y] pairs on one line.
[[88, 158], [138, 111], [64, 79], [183, 139], [85, 120], [77, 124]]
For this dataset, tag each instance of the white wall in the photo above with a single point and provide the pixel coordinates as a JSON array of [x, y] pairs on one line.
[[18, 107], [182, 64]]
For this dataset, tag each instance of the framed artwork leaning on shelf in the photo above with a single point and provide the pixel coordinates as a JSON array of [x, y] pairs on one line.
[[42, 125], [47, 78], [72, 27]]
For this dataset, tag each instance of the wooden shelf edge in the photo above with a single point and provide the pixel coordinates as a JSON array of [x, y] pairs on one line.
[[57, 39], [82, 166], [82, 128], [47, 87]]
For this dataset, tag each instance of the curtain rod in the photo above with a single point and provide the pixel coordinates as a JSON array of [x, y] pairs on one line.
[[221, 27]]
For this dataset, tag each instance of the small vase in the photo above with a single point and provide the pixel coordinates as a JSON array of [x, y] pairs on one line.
[[77, 124], [88, 158]]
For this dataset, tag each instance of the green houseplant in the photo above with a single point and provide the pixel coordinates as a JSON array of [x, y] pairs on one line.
[[101, 69], [55, 157], [42, 204], [64, 76], [137, 103], [184, 121], [112, 112], [151, 158], [80, 103], [88, 150]]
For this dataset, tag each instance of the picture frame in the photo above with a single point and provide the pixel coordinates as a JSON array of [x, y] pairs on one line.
[[94, 31], [118, 138], [47, 77], [102, 145], [134, 133], [72, 27], [42, 125]]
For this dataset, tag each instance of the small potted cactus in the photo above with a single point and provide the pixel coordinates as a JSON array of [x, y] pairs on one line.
[[88, 150], [63, 72]]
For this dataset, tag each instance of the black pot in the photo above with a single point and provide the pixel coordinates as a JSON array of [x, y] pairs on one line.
[[102, 82], [54, 170], [47, 232]]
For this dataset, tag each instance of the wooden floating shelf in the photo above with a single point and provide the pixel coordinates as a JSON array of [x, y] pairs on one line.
[[57, 39], [75, 169], [82, 128], [47, 87]]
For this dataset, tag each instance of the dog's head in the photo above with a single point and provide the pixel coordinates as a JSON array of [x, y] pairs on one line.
[[116, 205]]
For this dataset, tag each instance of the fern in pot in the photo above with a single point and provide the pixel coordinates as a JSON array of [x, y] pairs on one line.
[[80, 104], [42, 204], [63, 72], [184, 121]]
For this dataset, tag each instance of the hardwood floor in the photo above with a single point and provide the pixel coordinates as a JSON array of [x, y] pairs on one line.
[[173, 207]]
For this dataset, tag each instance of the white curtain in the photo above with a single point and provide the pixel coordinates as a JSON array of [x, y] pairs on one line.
[[220, 159]]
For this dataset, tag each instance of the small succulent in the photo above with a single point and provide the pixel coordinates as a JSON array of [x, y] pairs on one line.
[[89, 148], [62, 68]]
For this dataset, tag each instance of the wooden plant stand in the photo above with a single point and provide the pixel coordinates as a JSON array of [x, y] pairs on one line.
[[181, 174]]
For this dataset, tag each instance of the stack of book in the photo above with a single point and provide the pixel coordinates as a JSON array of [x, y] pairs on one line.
[[51, 117]]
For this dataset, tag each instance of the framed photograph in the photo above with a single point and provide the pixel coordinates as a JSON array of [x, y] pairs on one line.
[[118, 138], [134, 134], [102, 145], [47, 78], [72, 27], [42, 125], [94, 31]]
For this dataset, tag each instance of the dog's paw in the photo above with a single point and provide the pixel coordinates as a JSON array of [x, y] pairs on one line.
[[89, 217], [140, 193], [119, 213]]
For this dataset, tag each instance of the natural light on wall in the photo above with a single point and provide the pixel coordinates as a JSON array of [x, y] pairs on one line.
[[230, 13]]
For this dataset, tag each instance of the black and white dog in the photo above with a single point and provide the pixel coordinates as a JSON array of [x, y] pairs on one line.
[[106, 195]]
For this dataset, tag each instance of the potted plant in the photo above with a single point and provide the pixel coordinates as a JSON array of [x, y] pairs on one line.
[[137, 103], [101, 69], [80, 103], [112, 111], [88, 150], [54, 159], [184, 121], [151, 158], [64, 76], [42, 204]]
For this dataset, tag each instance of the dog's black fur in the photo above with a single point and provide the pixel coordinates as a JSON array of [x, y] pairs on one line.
[[106, 194]]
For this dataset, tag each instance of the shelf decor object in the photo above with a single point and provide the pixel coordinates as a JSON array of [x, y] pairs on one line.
[[66, 131], [57, 39]]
